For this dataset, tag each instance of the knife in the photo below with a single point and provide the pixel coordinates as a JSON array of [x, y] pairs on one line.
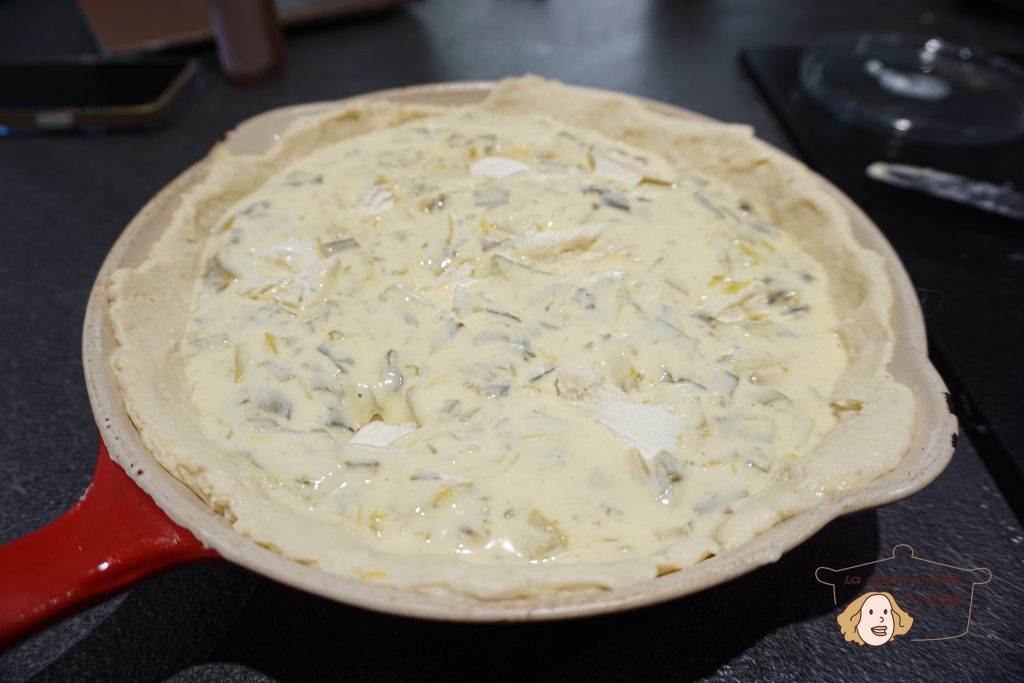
[[1000, 199]]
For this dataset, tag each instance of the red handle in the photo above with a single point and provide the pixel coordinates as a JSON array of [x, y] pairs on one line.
[[112, 537]]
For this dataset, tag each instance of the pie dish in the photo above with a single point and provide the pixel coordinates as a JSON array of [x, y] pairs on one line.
[[906, 439]]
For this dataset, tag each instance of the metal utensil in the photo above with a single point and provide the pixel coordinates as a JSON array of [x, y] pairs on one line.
[[1000, 199]]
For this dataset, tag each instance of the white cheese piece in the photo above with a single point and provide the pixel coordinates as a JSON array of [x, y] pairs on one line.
[[375, 198], [497, 167], [730, 306], [631, 174], [381, 434], [724, 383], [293, 254], [649, 428], [299, 288], [614, 163], [462, 301], [552, 243]]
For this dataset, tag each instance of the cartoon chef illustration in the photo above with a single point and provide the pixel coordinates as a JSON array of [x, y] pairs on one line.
[[874, 619]]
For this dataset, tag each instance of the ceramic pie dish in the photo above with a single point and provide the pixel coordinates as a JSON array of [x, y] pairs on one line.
[[930, 449]]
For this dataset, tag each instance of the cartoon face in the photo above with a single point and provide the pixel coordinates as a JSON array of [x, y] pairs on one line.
[[876, 623], [874, 619]]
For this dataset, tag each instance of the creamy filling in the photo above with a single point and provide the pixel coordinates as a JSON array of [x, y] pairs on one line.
[[509, 340]]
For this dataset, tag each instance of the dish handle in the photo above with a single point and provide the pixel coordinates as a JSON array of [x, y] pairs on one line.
[[112, 537]]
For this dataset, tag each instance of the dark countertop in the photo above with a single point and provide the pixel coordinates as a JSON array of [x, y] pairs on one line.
[[66, 198]]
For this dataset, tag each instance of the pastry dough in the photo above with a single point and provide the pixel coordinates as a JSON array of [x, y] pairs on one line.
[[554, 341]]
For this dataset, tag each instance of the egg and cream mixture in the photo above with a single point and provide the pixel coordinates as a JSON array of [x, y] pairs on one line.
[[510, 340], [500, 353]]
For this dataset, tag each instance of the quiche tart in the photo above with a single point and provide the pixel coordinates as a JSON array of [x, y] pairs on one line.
[[555, 341]]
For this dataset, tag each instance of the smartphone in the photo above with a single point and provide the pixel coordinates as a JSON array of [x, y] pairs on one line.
[[91, 92]]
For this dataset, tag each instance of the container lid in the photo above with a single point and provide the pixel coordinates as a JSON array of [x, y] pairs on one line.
[[921, 88]]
